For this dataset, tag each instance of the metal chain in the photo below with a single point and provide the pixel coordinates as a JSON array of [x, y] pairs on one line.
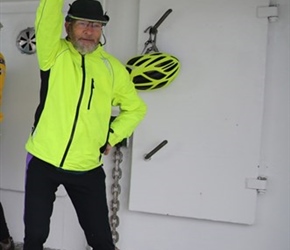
[[116, 191]]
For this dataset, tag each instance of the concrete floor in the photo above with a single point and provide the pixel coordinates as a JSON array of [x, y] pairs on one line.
[[19, 246]]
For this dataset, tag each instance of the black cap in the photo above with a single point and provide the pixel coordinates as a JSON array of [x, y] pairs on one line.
[[90, 10]]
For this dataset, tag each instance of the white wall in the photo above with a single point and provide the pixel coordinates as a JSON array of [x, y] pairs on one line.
[[140, 230]]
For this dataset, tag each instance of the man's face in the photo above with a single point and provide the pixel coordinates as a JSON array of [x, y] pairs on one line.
[[84, 35]]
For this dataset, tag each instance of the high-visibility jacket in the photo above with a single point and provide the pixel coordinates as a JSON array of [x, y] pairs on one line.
[[72, 121]]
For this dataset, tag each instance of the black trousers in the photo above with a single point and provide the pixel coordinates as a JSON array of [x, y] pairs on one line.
[[4, 232], [87, 192]]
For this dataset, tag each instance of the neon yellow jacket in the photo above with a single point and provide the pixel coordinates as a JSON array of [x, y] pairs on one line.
[[72, 122]]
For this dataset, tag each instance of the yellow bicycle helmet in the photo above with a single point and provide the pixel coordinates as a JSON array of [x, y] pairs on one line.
[[153, 70]]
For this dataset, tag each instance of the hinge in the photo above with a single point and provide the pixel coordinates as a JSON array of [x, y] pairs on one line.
[[270, 12], [259, 183]]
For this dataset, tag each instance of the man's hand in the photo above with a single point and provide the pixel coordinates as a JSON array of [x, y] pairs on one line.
[[107, 150]]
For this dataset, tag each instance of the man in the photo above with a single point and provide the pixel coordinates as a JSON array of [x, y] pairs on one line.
[[80, 83]]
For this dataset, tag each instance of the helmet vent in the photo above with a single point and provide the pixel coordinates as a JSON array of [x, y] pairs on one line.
[[141, 62], [133, 60], [154, 74], [160, 85], [140, 79], [169, 69], [157, 60]]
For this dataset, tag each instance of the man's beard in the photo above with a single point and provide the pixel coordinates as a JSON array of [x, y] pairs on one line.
[[80, 47]]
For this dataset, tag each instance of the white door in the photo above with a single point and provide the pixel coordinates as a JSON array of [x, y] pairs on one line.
[[210, 115]]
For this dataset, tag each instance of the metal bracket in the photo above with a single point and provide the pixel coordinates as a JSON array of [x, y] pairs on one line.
[[150, 44], [270, 12], [259, 183]]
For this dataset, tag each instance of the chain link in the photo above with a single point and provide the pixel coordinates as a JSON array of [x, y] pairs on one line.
[[116, 191]]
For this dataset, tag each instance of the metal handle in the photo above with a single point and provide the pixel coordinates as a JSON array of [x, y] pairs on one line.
[[153, 29], [162, 19], [157, 148]]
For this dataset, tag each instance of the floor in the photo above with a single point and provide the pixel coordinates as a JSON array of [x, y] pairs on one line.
[[19, 246]]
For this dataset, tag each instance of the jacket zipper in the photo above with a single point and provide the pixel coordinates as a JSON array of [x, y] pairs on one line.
[[76, 114], [91, 94]]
